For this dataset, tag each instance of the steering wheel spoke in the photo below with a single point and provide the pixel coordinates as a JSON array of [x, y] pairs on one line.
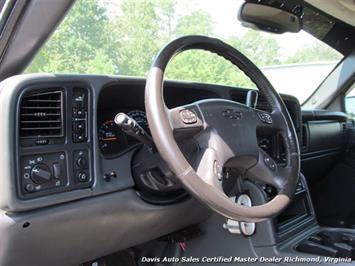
[[209, 167], [186, 121], [269, 121], [266, 170]]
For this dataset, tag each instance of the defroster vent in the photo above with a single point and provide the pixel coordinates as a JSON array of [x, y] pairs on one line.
[[41, 114]]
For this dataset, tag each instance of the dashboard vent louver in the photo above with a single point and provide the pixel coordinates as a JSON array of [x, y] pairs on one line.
[[41, 114]]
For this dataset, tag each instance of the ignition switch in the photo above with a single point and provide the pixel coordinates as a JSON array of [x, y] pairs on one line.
[[238, 227]]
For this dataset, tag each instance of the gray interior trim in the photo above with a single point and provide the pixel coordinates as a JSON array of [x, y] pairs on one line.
[[314, 115], [9, 17], [39, 20], [332, 85], [287, 249], [9, 91], [70, 234]]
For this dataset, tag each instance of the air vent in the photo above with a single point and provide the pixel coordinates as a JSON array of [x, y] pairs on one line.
[[239, 97], [41, 114]]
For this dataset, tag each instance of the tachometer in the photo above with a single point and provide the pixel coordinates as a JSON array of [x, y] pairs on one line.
[[141, 118], [111, 139]]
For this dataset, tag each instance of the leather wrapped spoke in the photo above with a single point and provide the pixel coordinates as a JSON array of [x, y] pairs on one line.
[[266, 170], [186, 121], [209, 168]]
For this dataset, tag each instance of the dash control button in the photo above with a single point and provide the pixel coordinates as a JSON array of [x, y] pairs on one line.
[[188, 116], [81, 162], [82, 177], [29, 188], [57, 170]]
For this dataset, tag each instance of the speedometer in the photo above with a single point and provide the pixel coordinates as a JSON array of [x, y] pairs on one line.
[[111, 139], [141, 118]]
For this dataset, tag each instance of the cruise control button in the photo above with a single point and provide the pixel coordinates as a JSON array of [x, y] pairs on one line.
[[270, 163], [188, 116]]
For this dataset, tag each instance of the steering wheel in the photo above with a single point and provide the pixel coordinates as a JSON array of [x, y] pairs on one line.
[[226, 132]]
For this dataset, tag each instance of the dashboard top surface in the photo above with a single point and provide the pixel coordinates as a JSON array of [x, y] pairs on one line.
[[109, 95]]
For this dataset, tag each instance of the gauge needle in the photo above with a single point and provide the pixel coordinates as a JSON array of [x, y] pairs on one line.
[[110, 139]]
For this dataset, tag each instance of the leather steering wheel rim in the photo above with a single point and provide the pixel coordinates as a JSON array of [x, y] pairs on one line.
[[254, 162]]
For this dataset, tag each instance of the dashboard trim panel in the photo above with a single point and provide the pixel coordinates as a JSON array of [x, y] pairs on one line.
[[12, 87]]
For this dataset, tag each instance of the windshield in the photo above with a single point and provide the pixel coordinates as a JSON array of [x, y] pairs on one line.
[[122, 37]]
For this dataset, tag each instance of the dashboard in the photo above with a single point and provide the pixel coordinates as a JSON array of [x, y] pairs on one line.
[[114, 142], [65, 164], [68, 147]]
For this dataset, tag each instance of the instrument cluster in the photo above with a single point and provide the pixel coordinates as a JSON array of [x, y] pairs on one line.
[[112, 140]]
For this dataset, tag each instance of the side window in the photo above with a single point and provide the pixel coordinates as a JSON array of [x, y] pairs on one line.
[[350, 102]]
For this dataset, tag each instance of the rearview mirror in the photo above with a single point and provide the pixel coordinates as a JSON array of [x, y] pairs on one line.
[[269, 18]]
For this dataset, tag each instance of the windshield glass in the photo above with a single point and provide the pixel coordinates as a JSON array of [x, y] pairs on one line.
[[122, 37]]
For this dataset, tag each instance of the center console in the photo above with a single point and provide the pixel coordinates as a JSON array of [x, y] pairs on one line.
[[327, 242], [297, 234], [298, 214], [335, 243]]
